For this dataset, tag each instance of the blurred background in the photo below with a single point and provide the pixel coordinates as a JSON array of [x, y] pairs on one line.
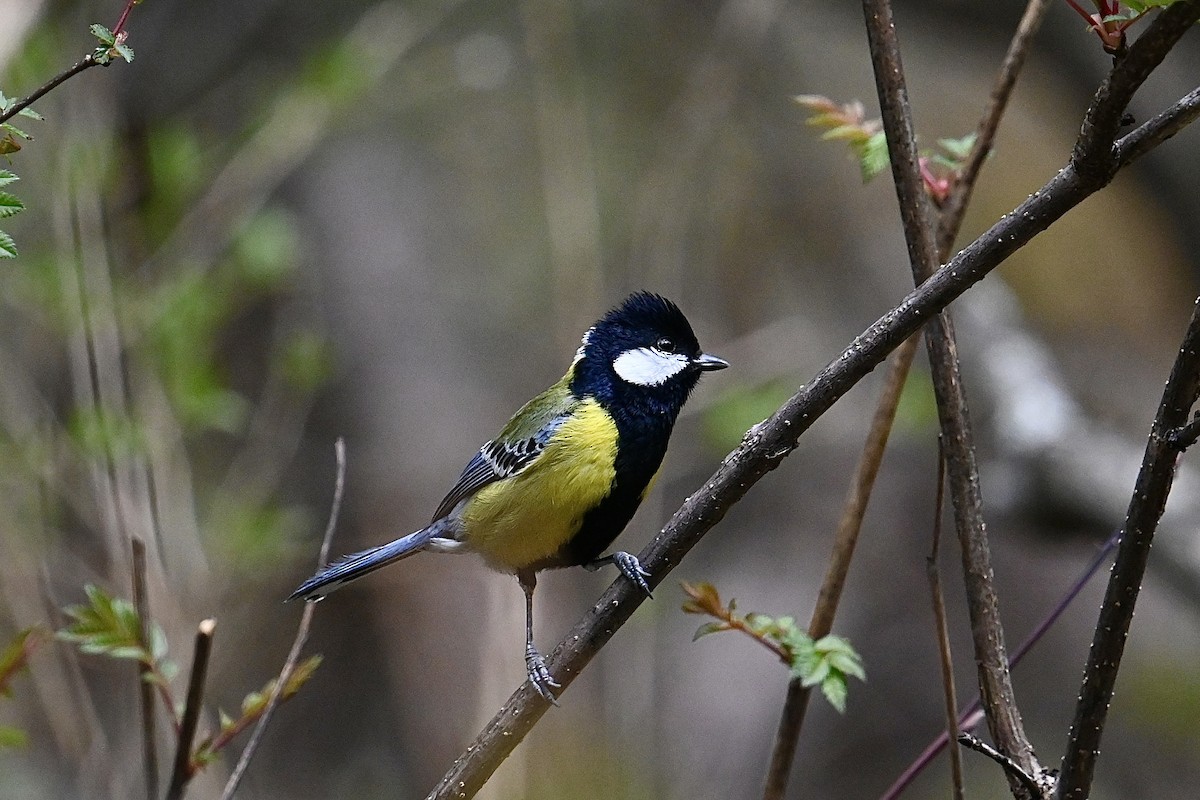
[[287, 222]]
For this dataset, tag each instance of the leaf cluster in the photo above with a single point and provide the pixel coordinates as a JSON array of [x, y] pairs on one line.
[[112, 46], [826, 662]]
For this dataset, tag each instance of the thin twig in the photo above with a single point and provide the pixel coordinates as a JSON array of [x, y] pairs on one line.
[[182, 771], [971, 716], [1125, 580], [991, 658], [762, 450], [306, 616], [943, 632], [141, 603], [1010, 767], [1157, 130], [955, 206], [84, 63], [20, 105], [795, 703]]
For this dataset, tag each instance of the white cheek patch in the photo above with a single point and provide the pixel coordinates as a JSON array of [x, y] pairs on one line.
[[646, 366]]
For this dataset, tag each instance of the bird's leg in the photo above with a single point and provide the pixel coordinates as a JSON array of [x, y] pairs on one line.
[[535, 665], [630, 567]]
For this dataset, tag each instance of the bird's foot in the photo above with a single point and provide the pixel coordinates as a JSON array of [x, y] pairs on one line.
[[539, 676], [630, 567]]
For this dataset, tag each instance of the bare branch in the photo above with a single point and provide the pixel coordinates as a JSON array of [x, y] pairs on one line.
[[943, 630], [293, 657], [795, 703], [1116, 611], [182, 771], [141, 602], [955, 206]]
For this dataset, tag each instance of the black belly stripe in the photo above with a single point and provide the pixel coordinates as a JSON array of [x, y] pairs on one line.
[[640, 450]]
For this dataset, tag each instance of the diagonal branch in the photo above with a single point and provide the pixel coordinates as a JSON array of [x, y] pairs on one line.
[[763, 448], [1116, 611]]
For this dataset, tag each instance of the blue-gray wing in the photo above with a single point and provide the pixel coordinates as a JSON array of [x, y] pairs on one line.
[[496, 460]]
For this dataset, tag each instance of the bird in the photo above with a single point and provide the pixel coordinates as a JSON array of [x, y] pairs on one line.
[[569, 469]]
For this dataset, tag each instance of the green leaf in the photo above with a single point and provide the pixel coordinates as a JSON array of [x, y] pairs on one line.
[[7, 177], [9, 205], [709, 627], [15, 131], [819, 672], [29, 112], [105, 626], [125, 52], [8, 248], [873, 156], [959, 148], [103, 34], [835, 691]]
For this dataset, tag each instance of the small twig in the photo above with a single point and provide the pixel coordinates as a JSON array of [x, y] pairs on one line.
[[1157, 130], [1094, 156], [141, 604], [1010, 767], [795, 704], [182, 771], [1146, 506], [119, 28], [1185, 436], [84, 63], [971, 715], [293, 657], [20, 105], [943, 632], [955, 206]]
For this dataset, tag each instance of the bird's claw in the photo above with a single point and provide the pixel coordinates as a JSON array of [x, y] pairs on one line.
[[539, 676], [631, 568]]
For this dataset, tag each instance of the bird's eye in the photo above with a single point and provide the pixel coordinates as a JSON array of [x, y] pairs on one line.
[[665, 345]]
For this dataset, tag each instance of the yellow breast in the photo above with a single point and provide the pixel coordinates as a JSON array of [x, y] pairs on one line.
[[521, 520]]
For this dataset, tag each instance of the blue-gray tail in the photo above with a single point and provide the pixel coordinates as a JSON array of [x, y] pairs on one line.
[[355, 565]]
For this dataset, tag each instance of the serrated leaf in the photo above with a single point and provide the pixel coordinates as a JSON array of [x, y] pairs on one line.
[[873, 156], [16, 131], [7, 177], [707, 628], [103, 34], [8, 248], [125, 51], [9, 205], [848, 665], [819, 672], [29, 112], [835, 691]]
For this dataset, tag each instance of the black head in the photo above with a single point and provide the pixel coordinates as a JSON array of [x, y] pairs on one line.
[[642, 356]]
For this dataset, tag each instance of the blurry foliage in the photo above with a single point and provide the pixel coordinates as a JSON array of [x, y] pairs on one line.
[[13, 660], [110, 626], [827, 662], [741, 408]]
